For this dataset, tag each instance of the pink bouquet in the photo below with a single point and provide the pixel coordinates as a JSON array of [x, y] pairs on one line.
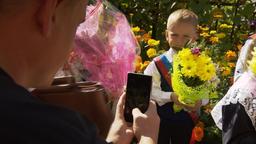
[[106, 46]]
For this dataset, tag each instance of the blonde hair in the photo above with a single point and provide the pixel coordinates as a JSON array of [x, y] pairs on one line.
[[184, 16]]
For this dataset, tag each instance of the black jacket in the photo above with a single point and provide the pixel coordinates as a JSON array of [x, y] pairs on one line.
[[24, 119]]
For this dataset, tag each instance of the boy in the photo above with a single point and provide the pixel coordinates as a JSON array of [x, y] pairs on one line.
[[36, 37], [174, 127]]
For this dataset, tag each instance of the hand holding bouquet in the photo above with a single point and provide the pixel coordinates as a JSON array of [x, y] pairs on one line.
[[192, 78]]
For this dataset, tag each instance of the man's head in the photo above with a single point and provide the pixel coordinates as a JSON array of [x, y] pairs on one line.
[[181, 28], [36, 37]]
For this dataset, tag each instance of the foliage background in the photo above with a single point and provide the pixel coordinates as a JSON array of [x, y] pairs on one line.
[[237, 15]]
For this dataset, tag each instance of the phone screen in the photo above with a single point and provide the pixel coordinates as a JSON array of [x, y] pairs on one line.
[[138, 92]]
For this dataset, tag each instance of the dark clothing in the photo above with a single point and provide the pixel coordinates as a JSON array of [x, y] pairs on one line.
[[24, 119], [237, 127], [175, 126]]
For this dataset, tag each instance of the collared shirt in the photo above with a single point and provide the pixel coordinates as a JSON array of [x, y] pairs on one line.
[[161, 97]]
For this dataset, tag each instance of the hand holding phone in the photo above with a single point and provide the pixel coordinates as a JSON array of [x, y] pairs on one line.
[[138, 92]]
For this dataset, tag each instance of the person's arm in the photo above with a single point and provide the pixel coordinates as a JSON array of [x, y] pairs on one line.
[[161, 97], [237, 127], [146, 126], [119, 131]]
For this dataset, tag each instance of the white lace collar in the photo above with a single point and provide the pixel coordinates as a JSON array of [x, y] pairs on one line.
[[244, 92]]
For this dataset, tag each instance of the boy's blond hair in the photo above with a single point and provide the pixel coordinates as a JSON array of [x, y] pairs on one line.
[[184, 16]]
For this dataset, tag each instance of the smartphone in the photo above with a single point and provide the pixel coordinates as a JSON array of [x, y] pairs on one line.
[[138, 91]]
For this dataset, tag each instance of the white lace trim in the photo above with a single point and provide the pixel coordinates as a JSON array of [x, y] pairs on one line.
[[244, 97]]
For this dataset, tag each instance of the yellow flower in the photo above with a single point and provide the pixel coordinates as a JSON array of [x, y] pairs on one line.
[[207, 73], [184, 53], [220, 35], [203, 28], [214, 40], [189, 69], [212, 32], [218, 16], [204, 34], [136, 29], [184, 60], [217, 13], [125, 5], [225, 26], [203, 60], [151, 52], [152, 42]]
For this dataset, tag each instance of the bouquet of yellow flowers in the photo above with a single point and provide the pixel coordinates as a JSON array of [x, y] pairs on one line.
[[193, 76]]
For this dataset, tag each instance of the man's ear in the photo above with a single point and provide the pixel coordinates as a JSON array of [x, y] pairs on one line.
[[46, 16]]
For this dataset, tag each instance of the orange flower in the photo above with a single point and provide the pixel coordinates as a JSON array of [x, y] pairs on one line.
[[138, 59], [244, 36], [230, 55], [231, 80], [137, 67], [198, 133], [146, 37], [226, 71], [239, 46], [231, 65], [138, 62], [138, 37], [200, 124], [144, 65]]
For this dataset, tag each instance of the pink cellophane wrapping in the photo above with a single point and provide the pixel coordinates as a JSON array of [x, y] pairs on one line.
[[106, 46]]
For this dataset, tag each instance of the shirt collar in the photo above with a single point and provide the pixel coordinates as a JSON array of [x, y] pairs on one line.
[[170, 53]]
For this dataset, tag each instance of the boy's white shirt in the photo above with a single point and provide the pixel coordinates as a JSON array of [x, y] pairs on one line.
[[161, 97]]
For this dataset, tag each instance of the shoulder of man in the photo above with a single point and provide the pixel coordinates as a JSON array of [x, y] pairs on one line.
[[25, 118]]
